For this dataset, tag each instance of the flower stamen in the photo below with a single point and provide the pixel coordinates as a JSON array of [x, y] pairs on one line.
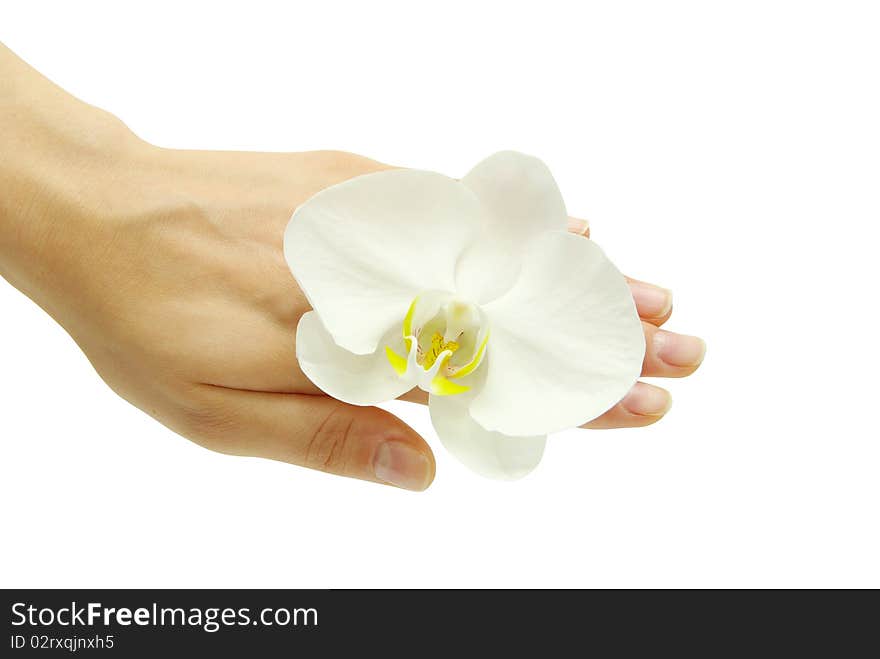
[[434, 329], [438, 345]]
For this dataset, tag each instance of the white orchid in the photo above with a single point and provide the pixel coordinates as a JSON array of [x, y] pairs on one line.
[[472, 290]]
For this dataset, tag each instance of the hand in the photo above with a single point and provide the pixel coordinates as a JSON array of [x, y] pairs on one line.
[[166, 268]]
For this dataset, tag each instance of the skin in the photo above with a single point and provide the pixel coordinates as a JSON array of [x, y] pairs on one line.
[[165, 266]]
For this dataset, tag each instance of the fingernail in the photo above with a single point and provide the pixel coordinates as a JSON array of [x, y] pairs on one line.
[[580, 227], [651, 301], [647, 400], [401, 465], [678, 349]]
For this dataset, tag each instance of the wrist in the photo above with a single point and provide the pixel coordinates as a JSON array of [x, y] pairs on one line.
[[58, 189], [62, 164]]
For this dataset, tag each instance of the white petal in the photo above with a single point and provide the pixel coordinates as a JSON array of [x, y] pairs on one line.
[[521, 200], [490, 454], [363, 249], [355, 379], [566, 343], [519, 193]]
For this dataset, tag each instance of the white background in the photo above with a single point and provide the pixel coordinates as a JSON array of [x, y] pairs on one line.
[[729, 151]]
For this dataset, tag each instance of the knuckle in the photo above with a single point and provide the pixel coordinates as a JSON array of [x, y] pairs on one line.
[[327, 448]]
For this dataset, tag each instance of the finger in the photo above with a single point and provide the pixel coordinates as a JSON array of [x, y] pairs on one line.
[[653, 302], [579, 227], [671, 355], [643, 405], [415, 395], [312, 431], [667, 355]]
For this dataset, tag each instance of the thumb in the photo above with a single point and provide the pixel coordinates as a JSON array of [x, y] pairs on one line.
[[312, 431]]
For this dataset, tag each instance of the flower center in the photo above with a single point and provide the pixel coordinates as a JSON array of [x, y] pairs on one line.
[[444, 339], [438, 345]]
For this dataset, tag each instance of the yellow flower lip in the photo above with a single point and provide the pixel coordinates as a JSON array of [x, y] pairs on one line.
[[429, 351], [397, 362]]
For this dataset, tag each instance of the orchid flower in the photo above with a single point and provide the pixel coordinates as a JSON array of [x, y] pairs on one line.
[[472, 290]]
